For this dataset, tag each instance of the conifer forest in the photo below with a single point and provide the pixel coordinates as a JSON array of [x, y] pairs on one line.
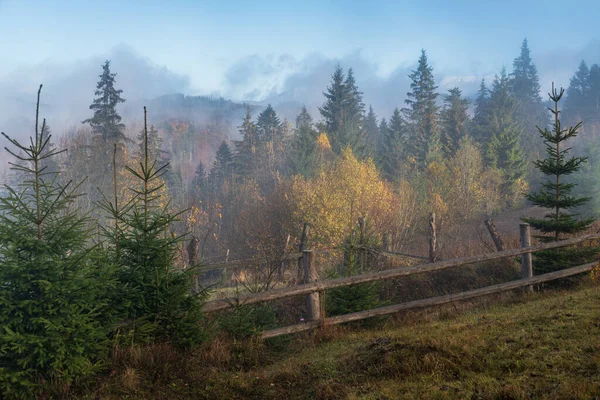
[[134, 232]]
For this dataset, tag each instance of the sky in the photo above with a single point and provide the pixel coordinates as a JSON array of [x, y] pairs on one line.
[[282, 49]]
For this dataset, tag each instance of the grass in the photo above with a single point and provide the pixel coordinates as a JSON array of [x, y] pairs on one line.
[[545, 345]]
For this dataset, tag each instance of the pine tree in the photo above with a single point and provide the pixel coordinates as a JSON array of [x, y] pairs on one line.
[[304, 154], [481, 116], [455, 121], [504, 150], [199, 185], [245, 149], [556, 196], [424, 140], [343, 112], [268, 126], [156, 293], [394, 143], [106, 122], [54, 313], [154, 144], [223, 166], [578, 94], [333, 109], [525, 81], [371, 133], [530, 111]]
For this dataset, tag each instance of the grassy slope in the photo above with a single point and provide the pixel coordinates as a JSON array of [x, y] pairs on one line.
[[540, 346]]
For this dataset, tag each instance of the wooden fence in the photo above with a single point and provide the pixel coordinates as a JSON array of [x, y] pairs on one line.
[[312, 287]]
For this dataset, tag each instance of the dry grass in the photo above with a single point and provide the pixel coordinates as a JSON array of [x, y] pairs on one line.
[[513, 346]]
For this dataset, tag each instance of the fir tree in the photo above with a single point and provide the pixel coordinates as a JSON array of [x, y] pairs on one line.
[[504, 150], [578, 94], [455, 121], [245, 149], [556, 196], [481, 116], [394, 141], [530, 112], [269, 126], [343, 112], [424, 140], [156, 293], [223, 166], [198, 185], [106, 122], [154, 144], [304, 155], [525, 80], [54, 315], [371, 132]]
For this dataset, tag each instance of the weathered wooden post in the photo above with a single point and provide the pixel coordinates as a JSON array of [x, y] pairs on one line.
[[432, 238], [491, 227], [313, 302], [526, 264], [301, 248]]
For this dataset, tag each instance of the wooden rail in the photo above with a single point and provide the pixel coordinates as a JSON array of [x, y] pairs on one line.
[[502, 287], [222, 304]]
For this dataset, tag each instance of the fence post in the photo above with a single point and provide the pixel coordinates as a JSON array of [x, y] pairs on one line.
[[313, 302], [387, 246], [301, 248], [489, 223], [432, 238], [526, 264]]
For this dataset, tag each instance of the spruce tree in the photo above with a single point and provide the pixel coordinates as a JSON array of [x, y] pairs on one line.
[[481, 116], [304, 154], [156, 294], [371, 133], [54, 315], [577, 94], [106, 122], [505, 150], [154, 144], [394, 143], [343, 113], [245, 149], [422, 113], [198, 186], [223, 165], [555, 195], [454, 120], [269, 126], [530, 111]]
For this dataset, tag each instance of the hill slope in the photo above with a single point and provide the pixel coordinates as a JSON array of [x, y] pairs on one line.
[[545, 345]]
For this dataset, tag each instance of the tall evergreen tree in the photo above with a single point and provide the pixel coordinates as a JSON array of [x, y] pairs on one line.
[[455, 121], [594, 96], [154, 144], [197, 190], [530, 111], [371, 133], [245, 149], [223, 165], [268, 125], [525, 81], [106, 121], [578, 94], [504, 150], [343, 113], [394, 141], [54, 289], [556, 196], [304, 153], [422, 113], [381, 146], [481, 116]]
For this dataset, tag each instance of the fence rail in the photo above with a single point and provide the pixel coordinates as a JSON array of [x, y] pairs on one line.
[[318, 286]]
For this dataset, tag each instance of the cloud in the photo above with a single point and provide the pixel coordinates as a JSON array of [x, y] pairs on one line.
[[69, 88]]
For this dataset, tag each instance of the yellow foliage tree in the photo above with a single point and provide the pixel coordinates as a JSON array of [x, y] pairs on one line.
[[332, 201]]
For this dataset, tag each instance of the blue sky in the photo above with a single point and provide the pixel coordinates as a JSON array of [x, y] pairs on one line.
[[204, 38], [278, 51]]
